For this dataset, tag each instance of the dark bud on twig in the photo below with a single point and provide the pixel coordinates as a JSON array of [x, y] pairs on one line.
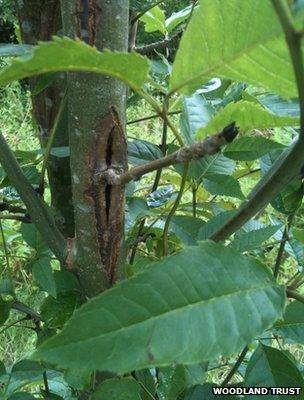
[[230, 132]]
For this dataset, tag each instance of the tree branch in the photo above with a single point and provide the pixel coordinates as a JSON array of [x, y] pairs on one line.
[[162, 44], [210, 145], [289, 164], [35, 206]]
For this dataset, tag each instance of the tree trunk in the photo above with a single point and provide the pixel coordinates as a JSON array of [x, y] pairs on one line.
[[97, 140], [39, 21]]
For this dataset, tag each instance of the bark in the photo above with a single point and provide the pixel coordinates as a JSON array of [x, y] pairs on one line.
[[97, 142], [39, 21]]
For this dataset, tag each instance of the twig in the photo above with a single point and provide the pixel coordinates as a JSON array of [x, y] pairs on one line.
[[46, 383], [6, 327], [154, 188], [295, 295], [236, 366], [282, 246], [32, 314], [162, 44], [139, 15], [5, 248], [22, 218], [194, 200], [49, 145], [12, 209], [174, 209], [134, 121], [210, 145]]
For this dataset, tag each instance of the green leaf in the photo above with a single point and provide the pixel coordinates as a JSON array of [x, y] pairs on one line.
[[298, 234], [2, 369], [5, 308], [249, 148], [239, 113], [292, 326], [44, 82], [141, 5], [27, 370], [74, 55], [223, 185], [279, 106], [147, 383], [290, 197], [189, 299], [65, 282], [204, 392], [174, 380], [55, 312], [177, 18], [196, 114], [33, 238], [214, 223], [14, 50], [141, 151], [270, 367], [44, 276], [7, 287], [154, 20], [208, 165], [22, 396], [186, 228], [234, 39], [118, 389], [253, 239]]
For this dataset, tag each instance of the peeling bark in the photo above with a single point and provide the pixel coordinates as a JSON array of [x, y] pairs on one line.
[[97, 142], [39, 21]]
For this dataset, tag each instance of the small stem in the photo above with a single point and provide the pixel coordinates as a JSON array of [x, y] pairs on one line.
[[46, 383], [153, 103], [136, 243], [50, 142], [139, 15], [236, 366], [12, 209], [154, 188], [32, 314], [21, 218], [6, 327], [174, 209], [282, 246], [5, 248], [134, 121], [194, 200], [295, 295]]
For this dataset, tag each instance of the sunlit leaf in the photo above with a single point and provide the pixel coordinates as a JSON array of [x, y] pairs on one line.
[[234, 39], [247, 116], [73, 55]]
